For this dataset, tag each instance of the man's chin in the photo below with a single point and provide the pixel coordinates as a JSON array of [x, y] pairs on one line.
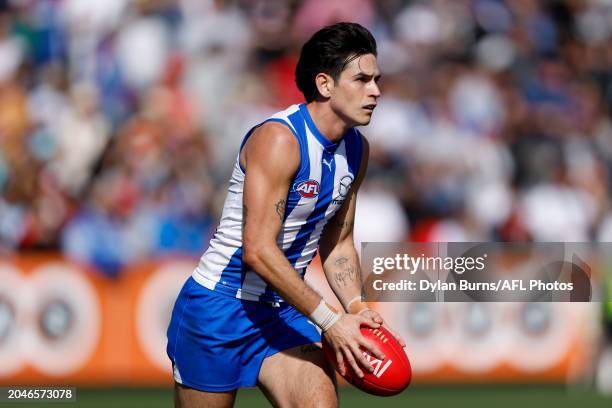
[[365, 121], [361, 120]]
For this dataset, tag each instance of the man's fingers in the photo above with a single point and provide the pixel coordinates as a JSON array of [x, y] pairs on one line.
[[340, 362], [351, 359], [397, 336], [378, 319], [363, 361], [372, 349], [368, 321], [372, 314]]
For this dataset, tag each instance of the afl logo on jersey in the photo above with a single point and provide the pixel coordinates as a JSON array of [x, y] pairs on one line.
[[308, 188]]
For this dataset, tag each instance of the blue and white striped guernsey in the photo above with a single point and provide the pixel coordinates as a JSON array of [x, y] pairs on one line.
[[318, 190]]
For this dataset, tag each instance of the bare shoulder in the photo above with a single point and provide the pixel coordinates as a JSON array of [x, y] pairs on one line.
[[272, 144], [274, 135]]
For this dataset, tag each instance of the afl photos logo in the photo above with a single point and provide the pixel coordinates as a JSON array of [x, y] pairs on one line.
[[308, 188]]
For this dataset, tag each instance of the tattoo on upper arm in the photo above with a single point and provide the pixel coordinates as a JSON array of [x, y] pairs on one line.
[[346, 271], [280, 208]]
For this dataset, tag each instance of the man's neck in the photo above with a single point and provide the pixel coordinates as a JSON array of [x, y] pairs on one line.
[[328, 123]]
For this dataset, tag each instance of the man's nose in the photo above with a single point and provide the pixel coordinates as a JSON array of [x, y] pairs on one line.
[[375, 90]]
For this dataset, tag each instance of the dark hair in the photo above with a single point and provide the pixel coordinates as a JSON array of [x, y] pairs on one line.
[[329, 51]]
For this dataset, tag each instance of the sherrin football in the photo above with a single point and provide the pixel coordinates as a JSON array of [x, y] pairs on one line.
[[390, 376]]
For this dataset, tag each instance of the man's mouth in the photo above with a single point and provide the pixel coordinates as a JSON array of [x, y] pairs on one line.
[[370, 107]]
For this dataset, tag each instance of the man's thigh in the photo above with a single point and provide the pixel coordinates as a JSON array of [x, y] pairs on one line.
[[299, 377], [185, 397]]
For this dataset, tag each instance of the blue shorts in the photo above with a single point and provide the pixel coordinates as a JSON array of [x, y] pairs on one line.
[[217, 343]]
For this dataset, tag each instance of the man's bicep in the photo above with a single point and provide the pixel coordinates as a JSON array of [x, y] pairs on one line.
[[264, 204], [271, 162]]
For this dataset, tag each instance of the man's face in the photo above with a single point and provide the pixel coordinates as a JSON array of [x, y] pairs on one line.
[[354, 94]]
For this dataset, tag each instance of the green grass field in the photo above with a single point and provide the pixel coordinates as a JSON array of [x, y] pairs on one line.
[[514, 396]]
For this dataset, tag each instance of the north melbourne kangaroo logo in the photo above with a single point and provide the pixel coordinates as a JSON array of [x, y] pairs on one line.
[[343, 189], [345, 185]]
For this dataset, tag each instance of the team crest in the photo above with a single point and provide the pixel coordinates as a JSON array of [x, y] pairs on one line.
[[308, 188], [343, 189]]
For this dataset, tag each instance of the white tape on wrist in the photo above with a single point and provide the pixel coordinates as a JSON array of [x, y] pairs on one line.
[[323, 316]]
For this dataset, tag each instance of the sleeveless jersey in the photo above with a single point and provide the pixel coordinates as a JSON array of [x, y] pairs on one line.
[[317, 191]]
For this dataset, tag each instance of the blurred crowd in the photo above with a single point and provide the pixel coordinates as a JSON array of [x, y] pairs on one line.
[[120, 120]]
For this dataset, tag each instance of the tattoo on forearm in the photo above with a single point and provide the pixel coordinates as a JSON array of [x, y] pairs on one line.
[[346, 272], [280, 208], [309, 348]]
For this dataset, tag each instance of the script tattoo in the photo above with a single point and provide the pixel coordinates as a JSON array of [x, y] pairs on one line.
[[346, 273], [280, 208]]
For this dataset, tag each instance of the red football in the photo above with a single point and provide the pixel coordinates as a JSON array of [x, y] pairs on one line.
[[390, 376]]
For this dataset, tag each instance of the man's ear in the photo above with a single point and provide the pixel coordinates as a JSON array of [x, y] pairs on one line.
[[325, 84]]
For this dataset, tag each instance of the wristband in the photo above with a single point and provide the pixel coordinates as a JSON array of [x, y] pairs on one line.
[[323, 316], [353, 300]]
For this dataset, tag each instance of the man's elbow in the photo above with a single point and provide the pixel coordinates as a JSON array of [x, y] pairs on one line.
[[252, 252]]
